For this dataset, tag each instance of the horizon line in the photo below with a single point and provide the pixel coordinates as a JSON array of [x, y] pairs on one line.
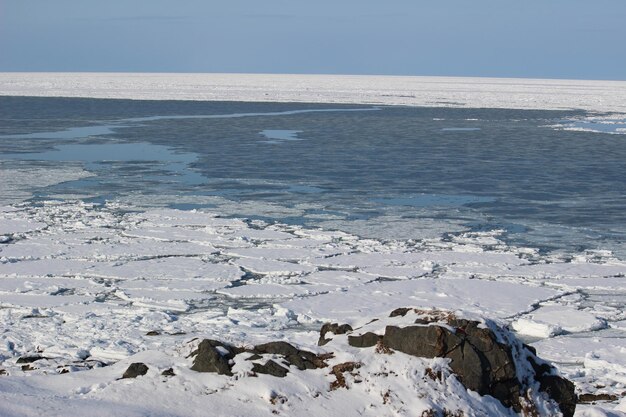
[[320, 75]]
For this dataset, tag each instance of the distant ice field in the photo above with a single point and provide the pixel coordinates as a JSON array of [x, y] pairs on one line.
[[515, 93]]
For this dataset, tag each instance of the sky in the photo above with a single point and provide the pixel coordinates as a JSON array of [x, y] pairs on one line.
[[577, 39]]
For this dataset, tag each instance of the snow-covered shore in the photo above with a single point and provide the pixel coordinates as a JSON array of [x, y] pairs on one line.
[[597, 96], [85, 285]]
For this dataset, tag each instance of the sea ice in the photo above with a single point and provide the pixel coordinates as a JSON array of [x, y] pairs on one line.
[[601, 96], [98, 283]]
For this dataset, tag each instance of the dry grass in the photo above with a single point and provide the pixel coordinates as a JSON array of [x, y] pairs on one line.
[[434, 375], [528, 407], [382, 348], [339, 370], [444, 413]]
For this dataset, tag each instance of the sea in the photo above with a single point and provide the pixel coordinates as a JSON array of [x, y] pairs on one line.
[[547, 179]]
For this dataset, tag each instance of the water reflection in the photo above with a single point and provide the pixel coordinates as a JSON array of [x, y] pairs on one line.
[[132, 156]]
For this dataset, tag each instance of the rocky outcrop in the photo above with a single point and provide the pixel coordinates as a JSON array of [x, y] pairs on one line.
[[213, 356], [479, 357], [482, 356]]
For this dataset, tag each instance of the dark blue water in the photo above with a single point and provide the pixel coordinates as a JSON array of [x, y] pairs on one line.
[[390, 172]]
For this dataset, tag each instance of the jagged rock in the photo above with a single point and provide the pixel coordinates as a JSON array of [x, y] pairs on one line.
[[334, 328], [270, 368], [135, 369], [213, 356], [479, 361]]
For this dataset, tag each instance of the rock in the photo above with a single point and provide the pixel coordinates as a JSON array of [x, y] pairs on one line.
[[276, 348], [135, 369], [479, 361], [422, 341], [3, 372], [270, 368], [153, 333], [560, 390], [365, 340], [484, 357], [400, 312], [301, 359], [539, 366], [531, 348], [592, 398], [213, 356], [334, 328], [168, 372]]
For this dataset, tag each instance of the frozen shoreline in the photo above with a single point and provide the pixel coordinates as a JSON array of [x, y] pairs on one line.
[[594, 96], [84, 284]]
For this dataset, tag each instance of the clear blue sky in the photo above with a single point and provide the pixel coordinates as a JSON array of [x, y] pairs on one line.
[[504, 38]]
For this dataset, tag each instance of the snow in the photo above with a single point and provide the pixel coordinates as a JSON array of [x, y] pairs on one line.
[[552, 320], [602, 96], [91, 281], [12, 226], [383, 383], [352, 306]]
